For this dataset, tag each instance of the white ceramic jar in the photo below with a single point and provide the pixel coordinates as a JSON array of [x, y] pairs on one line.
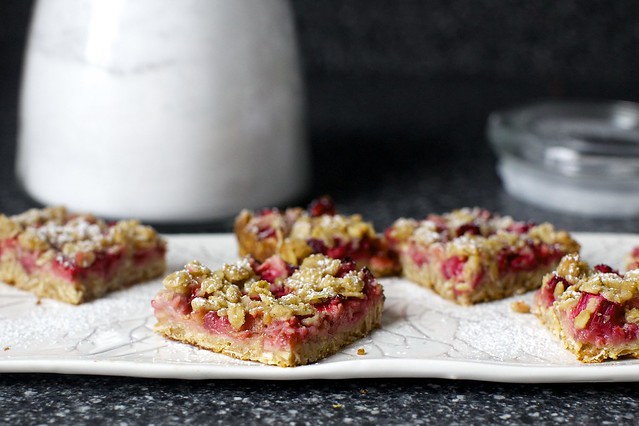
[[165, 110]]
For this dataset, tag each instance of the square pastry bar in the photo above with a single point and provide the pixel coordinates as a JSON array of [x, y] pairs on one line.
[[74, 258], [593, 311], [271, 312], [471, 255], [296, 233]]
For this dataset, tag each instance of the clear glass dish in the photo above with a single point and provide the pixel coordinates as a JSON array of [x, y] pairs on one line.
[[576, 157]]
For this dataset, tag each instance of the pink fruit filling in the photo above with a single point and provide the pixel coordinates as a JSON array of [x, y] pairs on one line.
[[334, 312], [453, 267], [322, 206], [361, 250], [418, 254], [527, 258], [546, 294], [605, 269], [606, 325]]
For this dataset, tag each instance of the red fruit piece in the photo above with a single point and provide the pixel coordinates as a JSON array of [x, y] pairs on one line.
[[547, 292], [524, 260], [316, 245], [340, 251], [605, 269], [606, 324], [215, 323], [468, 228], [274, 267], [347, 266], [321, 206], [418, 254], [265, 233], [453, 267], [521, 227], [267, 211]]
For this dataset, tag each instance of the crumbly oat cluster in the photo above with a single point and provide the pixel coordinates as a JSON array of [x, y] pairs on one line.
[[594, 311], [238, 290], [296, 233], [471, 255]]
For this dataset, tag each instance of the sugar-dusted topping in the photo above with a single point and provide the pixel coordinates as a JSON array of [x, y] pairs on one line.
[[462, 216], [74, 237], [37, 217], [426, 232], [609, 284], [476, 220], [330, 227], [315, 280], [75, 230], [402, 229], [236, 290], [467, 230], [273, 219], [572, 268]]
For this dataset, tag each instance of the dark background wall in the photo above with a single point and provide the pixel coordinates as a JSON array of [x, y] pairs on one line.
[[409, 48], [560, 43]]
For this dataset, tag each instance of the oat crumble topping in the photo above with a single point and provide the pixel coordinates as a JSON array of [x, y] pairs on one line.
[[490, 234], [73, 237], [612, 286], [236, 290]]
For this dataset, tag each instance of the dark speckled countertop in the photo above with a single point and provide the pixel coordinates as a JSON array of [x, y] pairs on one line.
[[433, 159]]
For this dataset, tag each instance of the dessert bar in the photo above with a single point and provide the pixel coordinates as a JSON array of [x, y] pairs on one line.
[[271, 312], [471, 255], [74, 258], [593, 311], [296, 233]]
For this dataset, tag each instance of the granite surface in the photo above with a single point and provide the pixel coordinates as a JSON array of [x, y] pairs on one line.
[[43, 399]]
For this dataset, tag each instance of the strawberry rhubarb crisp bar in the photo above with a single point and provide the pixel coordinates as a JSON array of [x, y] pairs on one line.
[[594, 312], [76, 257], [472, 255], [296, 233], [270, 312]]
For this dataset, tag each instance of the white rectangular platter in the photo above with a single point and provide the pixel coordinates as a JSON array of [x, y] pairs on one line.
[[422, 335]]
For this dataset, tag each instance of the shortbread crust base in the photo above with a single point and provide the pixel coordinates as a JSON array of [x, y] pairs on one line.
[[44, 282], [255, 348]]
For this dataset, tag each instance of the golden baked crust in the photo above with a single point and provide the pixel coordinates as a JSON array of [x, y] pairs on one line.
[[593, 311], [471, 255], [295, 233], [270, 312], [75, 258], [322, 345]]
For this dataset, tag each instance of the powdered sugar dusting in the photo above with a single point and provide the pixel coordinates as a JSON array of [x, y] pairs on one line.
[[74, 231]]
